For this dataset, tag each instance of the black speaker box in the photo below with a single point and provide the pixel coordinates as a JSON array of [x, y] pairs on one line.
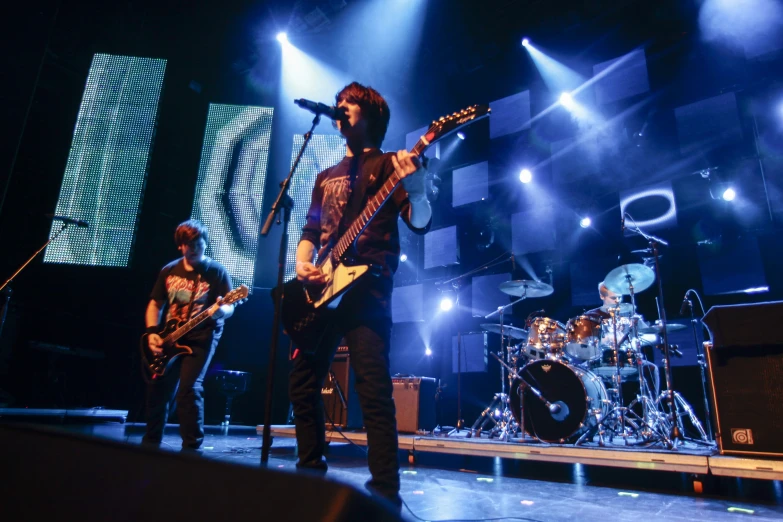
[[745, 362], [341, 380], [60, 476]]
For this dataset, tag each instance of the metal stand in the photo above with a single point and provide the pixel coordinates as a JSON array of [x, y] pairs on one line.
[[283, 204], [702, 363], [460, 422]]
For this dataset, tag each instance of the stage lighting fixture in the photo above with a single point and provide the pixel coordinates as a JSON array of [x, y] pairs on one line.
[[403, 257], [461, 135], [446, 303], [525, 42], [428, 351], [585, 222], [282, 37], [729, 194], [566, 101], [525, 176]]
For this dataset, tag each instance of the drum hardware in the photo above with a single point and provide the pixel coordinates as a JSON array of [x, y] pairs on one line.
[[621, 278], [511, 331], [657, 328], [526, 288], [460, 424]]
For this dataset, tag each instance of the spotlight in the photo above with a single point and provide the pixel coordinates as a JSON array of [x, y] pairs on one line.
[[525, 176], [428, 352], [282, 37], [585, 222], [446, 304], [525, 42], [403, 257], [461, 135], [566, 101], [729, 194]]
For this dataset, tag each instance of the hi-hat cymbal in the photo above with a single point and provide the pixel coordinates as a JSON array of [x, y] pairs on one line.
[[508, 330], [526, 288], [657, 328], [622, 308], [621, 278]]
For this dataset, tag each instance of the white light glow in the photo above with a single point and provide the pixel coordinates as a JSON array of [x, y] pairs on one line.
[[525, 176], [729, 194], [566, 101], [585, 222], [282, 37], [525, 42], [461, 135], [446, 304], [428, 351], [403, 257]]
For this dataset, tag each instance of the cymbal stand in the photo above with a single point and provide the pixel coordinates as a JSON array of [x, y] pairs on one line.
[[674, 435], [645, 397], [500, 400], [702, 363]]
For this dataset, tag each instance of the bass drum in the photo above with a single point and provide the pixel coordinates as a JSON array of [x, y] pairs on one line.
[[580, 394]]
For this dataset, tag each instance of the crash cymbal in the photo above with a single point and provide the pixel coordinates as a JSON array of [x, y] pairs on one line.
[[657, 328], [620, 279], [508, 330], [622, 308], [526, 288]]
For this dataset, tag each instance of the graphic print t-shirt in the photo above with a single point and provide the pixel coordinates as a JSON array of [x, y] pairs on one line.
[[379, 244], [175, 286]]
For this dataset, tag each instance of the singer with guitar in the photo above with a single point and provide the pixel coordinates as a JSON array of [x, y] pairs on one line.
[[363, 317], [185, 287]]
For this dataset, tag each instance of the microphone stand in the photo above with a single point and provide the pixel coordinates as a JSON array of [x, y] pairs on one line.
[[700, 359], [283, 204], [674, 435], [5, 290]]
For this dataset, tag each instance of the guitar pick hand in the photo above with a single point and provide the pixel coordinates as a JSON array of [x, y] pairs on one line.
[[155, 342]]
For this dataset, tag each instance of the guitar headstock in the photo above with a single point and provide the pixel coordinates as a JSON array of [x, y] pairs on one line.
[[446, 125], [236, 296]]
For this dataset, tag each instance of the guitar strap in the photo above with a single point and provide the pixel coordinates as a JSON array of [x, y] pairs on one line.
[[354, 206]]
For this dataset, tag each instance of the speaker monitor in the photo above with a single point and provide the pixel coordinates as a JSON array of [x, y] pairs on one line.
[[745, 361], [62, 476], [414, 399], [341, 403]]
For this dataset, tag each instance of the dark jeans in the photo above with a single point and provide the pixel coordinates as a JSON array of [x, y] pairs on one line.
[[361, 320], [185, 382]]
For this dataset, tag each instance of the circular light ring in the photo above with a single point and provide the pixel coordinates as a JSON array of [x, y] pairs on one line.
[[666, 193]]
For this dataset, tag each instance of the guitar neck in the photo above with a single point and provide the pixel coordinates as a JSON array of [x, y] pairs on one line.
[[373, 206], [185, 328]]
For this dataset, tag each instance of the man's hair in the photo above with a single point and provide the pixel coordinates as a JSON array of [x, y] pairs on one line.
[[189, 231], [374, 109], [602, 289]]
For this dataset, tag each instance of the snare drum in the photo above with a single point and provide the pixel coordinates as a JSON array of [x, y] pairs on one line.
[[546, 336], [583, 339], [606, 367]]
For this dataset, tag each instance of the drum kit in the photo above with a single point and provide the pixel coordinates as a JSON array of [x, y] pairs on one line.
[[565, 381]]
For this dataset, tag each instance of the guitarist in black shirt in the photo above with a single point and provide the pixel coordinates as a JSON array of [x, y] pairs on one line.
[[363, 317], [185, 287]]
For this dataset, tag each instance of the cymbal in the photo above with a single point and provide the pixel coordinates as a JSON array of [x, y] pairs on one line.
[[510, 331], [640, 276], [657, 328], [526, 288], [623, 308]]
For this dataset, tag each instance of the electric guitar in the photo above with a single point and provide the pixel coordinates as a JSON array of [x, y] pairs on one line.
[[305, 308], [173, 330]]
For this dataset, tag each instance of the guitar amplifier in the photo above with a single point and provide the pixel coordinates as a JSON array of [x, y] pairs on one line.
[[340, 380], [745, 363], [414, 399]]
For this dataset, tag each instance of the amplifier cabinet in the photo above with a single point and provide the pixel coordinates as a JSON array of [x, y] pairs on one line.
[[414, 399]]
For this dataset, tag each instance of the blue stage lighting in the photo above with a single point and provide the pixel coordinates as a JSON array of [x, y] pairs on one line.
[[428, 351], [525, 42], [525, 176], [729, 194], [566, 101], [585, 222], [282, 37], [446, 304], [461, 135], [403, 257]]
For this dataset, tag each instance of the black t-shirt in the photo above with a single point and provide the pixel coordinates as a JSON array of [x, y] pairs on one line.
[[175, 286], [379, 244]]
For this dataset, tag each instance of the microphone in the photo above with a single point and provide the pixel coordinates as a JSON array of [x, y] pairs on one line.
[[622, 223], [71, 221], [686, 304], [329, 111]]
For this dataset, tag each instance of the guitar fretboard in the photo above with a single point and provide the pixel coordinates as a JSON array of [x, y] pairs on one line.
[[185, 328]]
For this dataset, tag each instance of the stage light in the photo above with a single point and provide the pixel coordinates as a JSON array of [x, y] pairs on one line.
[[403, 257], [446, 304], [585, 222], [525, 42], [428, 352], [525, 176], [461, 135], [566, 101], [729, 194], [282, 37]]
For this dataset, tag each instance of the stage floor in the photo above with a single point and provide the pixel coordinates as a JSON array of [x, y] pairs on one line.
[[462, 479]]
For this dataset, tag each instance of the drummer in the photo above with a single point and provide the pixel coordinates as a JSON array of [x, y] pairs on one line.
[[612, 300]]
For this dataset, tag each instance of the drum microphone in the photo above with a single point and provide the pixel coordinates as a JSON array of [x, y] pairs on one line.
[[686, 304], [622, 223], [329, 111]]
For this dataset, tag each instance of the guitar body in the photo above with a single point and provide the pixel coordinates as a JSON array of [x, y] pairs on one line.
[[159, 365]]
